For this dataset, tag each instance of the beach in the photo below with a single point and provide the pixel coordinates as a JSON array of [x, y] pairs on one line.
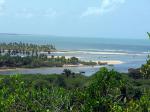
[[111, 62]]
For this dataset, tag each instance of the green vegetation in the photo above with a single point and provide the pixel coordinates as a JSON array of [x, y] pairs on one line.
[[40, 60], [89, 63], [105, 91], [145, 70], [24, 48], [24, 55], [18, 61], [33, 61]]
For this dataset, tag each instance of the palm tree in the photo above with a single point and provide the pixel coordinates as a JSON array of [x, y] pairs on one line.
[[67, 72]]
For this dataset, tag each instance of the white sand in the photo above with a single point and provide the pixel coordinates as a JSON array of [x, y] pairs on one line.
[[111, 62], [69, 65]]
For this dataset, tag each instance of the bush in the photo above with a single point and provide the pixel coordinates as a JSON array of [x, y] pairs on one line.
[[107, 91]]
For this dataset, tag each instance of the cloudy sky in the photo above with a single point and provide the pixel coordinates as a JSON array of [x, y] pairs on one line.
[[77, 18]]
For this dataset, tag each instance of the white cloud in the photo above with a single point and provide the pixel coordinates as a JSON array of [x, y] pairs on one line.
[[105, 6], [30, 13]]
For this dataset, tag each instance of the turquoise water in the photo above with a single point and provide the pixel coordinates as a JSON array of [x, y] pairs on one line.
[[133, 52]]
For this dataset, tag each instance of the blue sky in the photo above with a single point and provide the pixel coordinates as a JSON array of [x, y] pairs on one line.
[[77, 18]]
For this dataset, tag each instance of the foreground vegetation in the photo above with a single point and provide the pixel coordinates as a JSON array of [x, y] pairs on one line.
[[105, 91]]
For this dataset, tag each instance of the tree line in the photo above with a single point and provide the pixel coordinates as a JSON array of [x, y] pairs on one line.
[[25, 48]]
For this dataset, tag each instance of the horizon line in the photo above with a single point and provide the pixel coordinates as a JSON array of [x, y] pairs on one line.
[[72, 36]]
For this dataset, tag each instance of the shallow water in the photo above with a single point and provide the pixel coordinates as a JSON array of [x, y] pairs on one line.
[[88, 70]]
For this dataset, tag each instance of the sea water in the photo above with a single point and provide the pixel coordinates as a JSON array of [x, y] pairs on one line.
[[78, 43]]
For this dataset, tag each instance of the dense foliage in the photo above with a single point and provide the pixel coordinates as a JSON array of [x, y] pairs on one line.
[[145, 69], [18, 61], [39, 60], [106, 91]]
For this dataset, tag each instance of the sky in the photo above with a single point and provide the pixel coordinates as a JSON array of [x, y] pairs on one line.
[[76, 18]]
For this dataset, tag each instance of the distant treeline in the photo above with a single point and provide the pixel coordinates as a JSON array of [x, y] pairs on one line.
[[25, 48]]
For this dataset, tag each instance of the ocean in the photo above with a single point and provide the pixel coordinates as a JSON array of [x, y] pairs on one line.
[[133, 52], [78, 43]]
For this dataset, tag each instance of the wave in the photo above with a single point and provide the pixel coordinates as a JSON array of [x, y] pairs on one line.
[[92, 52], [101, 52], [146, 52], [98, 50], [106, 50]]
